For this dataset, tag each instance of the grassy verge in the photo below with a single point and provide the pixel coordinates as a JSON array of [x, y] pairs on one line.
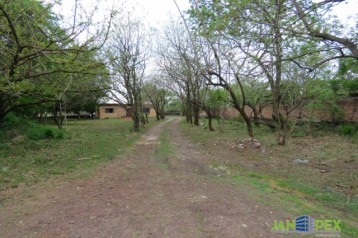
[[79, 147], [262, 190], [324, 187], [165, 149], [268, 191]]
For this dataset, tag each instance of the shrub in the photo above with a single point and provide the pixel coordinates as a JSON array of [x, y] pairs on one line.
[[34, 133], [49, 133], [38, 132], [11, 127], [347, 130], [11, 120], [14, 126]]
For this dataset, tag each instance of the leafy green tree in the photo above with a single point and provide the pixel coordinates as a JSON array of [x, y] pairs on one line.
[[40, 59], [258, 97], [179, 61], [87, 100], [321, 96], [313, 24], [347, 76], [274, 34], [215, 103], [174, 105]]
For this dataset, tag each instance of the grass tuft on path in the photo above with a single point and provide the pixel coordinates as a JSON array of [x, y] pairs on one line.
[[165, 149]]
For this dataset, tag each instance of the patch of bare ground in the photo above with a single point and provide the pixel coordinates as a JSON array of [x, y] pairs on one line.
[[326, 162], [322, 170], [134, 197]]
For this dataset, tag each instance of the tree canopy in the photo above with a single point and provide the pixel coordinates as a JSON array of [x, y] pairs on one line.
[[40, 59]]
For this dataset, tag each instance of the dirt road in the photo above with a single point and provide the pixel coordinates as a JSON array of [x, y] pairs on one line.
[[136, 196]]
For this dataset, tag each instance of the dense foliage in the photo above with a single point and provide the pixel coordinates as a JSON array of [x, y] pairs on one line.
[[41, 60]]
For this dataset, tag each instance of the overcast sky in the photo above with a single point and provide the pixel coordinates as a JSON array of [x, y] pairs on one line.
[[153, 11], [156, 11]]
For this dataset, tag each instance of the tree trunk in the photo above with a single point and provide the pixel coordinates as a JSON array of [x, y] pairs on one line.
[[142, 119], [162, 110], [189, 113], [276, 84], [136, 125], [3, 111], [187, 118], [189, 105], [220, 121], [250, 131], [136, 121], [282, 130], [162, 114], [157, 110], [210, 120], [196, 114], [57, 119], [256, 118]]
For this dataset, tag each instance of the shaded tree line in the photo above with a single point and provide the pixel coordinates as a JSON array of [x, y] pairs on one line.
[[43, 63], [262, 53]]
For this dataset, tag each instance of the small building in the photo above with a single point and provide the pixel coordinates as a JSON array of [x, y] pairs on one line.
[[115, 111], [111, 111]]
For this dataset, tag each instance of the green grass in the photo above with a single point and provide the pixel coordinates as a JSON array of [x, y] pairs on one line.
[[301, 187], [265, 194], [28, 159], [165, 149]]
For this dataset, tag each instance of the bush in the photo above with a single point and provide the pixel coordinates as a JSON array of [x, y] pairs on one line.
[[14, 126], [11, 120], [49, 133], [347, 130], [38, 132], [11, 127], [34, 133]]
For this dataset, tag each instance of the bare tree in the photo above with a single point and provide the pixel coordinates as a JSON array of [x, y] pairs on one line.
[[179, 61], [128, 52], [226, 75], [157, 95]]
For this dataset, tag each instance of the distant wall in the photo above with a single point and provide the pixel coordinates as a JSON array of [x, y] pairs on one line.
[[348, 105], [350, 108]]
